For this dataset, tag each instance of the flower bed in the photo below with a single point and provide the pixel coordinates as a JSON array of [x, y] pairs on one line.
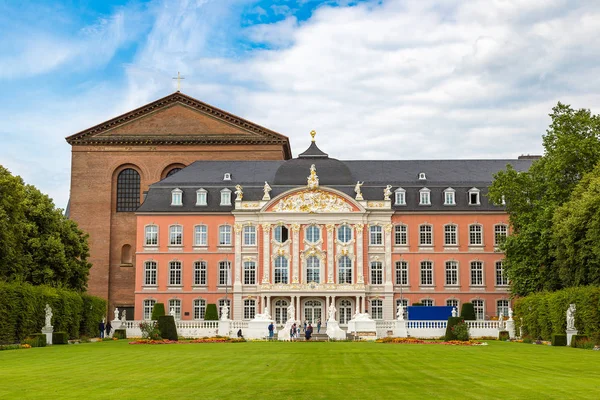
[[421, 341], [203, 340]]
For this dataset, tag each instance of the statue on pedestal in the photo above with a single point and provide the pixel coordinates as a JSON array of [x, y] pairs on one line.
[[225, 312], [357, 190], [331, 314], [291, 312], [116, 314], [510, 314], [571, 317], [48, 315], [123, 317], [387, 192], [454, 312], [266, 190], [501, 321], [239, 193], [400, 312]]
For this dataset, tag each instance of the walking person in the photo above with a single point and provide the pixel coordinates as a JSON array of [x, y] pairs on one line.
[[308, 332], [271, 331], [319, 325], [101, 328], [108, 328], [304, 329], [293, 332]]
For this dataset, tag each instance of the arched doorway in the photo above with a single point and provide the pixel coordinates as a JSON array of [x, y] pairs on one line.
[[313, 311], [280, 312], [345, 311]]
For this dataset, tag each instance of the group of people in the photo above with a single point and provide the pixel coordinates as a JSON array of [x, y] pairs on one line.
[[104, 328]]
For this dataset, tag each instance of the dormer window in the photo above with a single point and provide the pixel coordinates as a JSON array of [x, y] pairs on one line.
[[201, 197], [227, 176], [176, 197], [422, 176], [474, 197], [400, 197], [424, 197], [226, 197], [449, 199]]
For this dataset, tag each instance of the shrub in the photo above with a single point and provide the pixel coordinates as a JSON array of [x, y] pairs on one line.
[[36, 340], [94, 309], [503, 335], [417, 304], [211, 313], [60, 338], [452, 321], [158, 311], [120, 334], [461, 331], [559, 339], [467, 312], [167, 328], [576, 338], [150, 330]]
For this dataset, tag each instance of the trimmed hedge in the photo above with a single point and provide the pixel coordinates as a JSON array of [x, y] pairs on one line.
[[22, 311], [158, 311], [60, 338], [544, 313], [120, 334], [467, 312], [503, 335], [417, 304], [559, 339], [577, 338], [36, 340], [451, 322], [211, 313], [167, 328]]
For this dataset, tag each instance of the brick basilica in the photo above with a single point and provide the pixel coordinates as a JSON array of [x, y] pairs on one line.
[[188, 205]]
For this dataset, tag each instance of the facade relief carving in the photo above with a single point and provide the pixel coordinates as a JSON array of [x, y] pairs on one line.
[[313, 201]]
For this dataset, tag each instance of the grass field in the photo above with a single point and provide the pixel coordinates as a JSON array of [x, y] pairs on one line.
[[260, 370]]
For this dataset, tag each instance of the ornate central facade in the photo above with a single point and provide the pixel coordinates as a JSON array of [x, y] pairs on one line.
[[312, 231]]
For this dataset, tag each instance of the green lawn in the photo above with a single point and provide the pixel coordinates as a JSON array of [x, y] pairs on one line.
[[259, 370]]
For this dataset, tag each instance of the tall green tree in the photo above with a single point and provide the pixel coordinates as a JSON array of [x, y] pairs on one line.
[[38, 244], [571, 149]]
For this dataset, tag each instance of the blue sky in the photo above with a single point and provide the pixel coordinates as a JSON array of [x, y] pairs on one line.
[[376, 79]]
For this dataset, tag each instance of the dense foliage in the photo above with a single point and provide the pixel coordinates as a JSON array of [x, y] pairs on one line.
[[467, 312], [60, 338], [22, 311], [452, 321], [544, 313], [167, 328], [559, 339], [542, 247], [158, 311], [211, 313], [38, 244]]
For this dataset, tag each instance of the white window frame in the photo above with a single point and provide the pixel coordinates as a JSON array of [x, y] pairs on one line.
[[279, 228], [345, 273], [425, 197], [201, 197], [376, 272], [177, 197], [451, 271], [427, 302], [344, 233], [310, 260], [225, 197], [401, 273], [424, 234], [249, 272], [224, 273], [175, 273], [376, 232], [476, 273], [200, 273], [426, 273], [477, 192], [400, 197], [147, 307], [227, 176], [449, 197], [249, 309], [449, 234], [502, 308], [199, 309], [500, 230], [376, 309], [201, 235], [151, 235], [401, 232], [249, 235], [453, 303], [501, 278], [474, 234], [422, 176], [281, 270], [311, 230], [479, 307], [224, 235], [150, 273], [174, 235], [175, 304]]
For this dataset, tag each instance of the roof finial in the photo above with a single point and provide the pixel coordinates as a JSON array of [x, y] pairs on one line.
[[179, 79], [312, 134]]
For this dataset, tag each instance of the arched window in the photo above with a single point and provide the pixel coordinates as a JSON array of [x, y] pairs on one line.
[[173, 172], [345, 311], [128, 190], [313, 234], [199, 308], [344, 234], [377, 309], [313, 270], [281, 311], [345, 270], [281, 270]]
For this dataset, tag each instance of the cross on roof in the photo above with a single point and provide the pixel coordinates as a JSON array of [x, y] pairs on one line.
[[179, 78]]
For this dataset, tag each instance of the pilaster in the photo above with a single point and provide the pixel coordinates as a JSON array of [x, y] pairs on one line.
[[295, 252], [359, 252], [266, 228], [238, 253], [330, 253]]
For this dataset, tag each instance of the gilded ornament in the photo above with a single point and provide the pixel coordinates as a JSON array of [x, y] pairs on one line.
[[359, 228], [238, 227], [295, 227], [266, 227], [330, 227], [239, 193], [388, 227], [312, 201]]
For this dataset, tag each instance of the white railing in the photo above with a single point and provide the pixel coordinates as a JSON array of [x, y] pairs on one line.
[[239, 324], [479, 329], [426, 329], [426, 324], [385, 328]]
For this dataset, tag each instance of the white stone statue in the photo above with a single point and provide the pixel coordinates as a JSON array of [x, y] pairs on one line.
[[116, 314], [239, 193], [387, 192], [400, 312], [357, 190], [331, 312], [225, 312], [291, 312], [501, 321], [123, 316], [454, 312], [313, 179], [48, 315], [172, 312], [357, 311], [571, 317], [266, 190]]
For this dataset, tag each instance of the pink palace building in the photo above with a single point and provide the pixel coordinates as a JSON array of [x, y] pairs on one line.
[[314, 230]]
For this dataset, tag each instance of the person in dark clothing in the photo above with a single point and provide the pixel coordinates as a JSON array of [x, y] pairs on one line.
[[239, 334], [309, 331], [271, 330], [101, 328], [108, 328]]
